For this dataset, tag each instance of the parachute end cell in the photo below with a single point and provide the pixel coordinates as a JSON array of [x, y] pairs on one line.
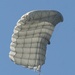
[[51, 16]]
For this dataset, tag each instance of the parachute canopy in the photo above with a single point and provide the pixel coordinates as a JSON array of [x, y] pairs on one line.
[[31, 36]]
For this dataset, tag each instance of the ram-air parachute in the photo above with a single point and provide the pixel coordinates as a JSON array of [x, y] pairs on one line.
[[31, 36]]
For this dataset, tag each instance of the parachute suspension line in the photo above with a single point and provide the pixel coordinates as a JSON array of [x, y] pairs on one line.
[[39, 72]]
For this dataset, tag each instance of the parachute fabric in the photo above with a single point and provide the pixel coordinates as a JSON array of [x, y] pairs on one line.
[[31, 36]]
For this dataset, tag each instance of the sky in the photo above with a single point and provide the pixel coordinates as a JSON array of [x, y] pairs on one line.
[[60, 55]]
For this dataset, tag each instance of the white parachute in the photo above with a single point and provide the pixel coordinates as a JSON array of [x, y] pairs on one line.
[[31, 36]]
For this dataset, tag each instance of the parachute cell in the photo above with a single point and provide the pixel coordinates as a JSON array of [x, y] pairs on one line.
[[31, 36]]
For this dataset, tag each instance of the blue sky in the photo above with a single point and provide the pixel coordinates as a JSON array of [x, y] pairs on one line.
[[60, 56]]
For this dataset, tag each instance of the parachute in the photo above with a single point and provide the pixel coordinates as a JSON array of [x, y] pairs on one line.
[[31, 36]]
